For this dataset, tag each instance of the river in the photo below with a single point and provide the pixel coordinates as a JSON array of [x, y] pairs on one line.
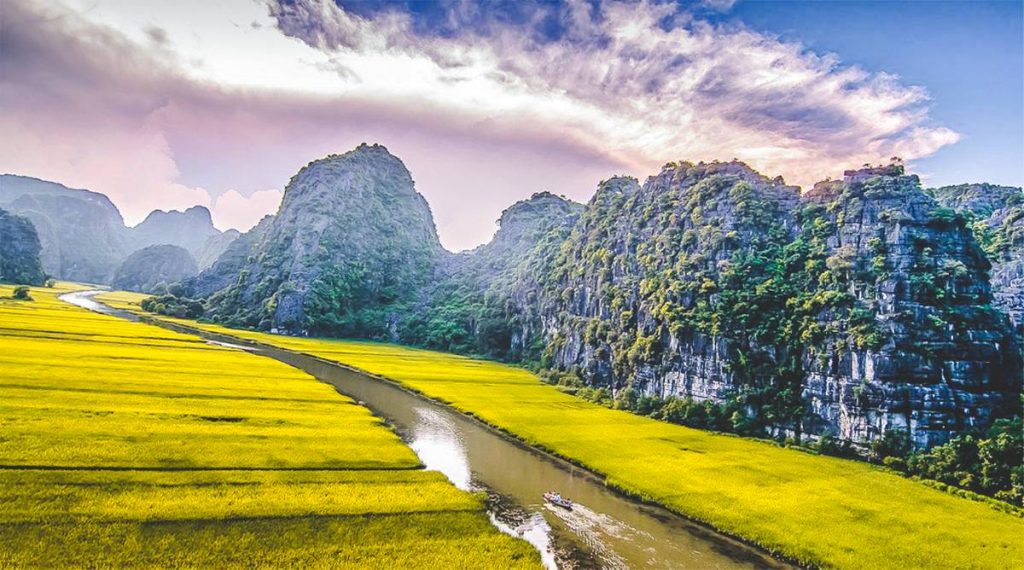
[[604, 529]]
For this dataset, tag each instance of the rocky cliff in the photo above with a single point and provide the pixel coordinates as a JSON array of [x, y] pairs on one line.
[[996, 215], [151, 269], [939, 358], [19, 251], [347, 253], [857, 309]]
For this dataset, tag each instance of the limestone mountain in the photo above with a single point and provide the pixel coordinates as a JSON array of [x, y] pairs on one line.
[[225, 270], [151, 269], [859, 308], [81, 232], [191, 229], [856, 309], [19, 251], [347, 253]]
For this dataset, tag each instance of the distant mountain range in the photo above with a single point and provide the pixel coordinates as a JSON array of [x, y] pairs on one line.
[[860, 307], [84, 237]]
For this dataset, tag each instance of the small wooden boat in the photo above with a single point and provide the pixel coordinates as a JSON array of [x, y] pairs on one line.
[[558, 500]]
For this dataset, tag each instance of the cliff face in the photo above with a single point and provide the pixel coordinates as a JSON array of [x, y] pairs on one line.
[[82, 233], [859, 308], [939, 358], [348, 251], [19, 251], [996, 215], [153, 267]]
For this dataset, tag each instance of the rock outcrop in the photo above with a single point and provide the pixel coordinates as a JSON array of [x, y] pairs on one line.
[[937, 359], [151, 269], [19, 251]]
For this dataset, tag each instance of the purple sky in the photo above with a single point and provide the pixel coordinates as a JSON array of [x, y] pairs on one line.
[[170, 104]]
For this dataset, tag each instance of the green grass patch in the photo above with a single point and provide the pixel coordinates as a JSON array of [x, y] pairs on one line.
[[124, 444]]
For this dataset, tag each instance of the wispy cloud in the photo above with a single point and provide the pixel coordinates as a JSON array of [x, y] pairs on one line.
[[164, 107], [639, 81]]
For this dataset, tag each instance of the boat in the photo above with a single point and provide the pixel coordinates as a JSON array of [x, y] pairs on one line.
[[558, 500]]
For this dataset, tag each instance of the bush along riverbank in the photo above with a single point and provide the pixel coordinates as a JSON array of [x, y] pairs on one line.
[[988, 462]]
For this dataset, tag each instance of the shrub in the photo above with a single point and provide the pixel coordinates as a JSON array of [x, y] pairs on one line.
[[894, 443], [21, 293]]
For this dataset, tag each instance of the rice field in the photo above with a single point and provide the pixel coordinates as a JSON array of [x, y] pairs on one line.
[[127, 445], [822, 511]]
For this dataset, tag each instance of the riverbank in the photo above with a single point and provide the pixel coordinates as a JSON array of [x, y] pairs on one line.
[[821, 511], [128, 445]]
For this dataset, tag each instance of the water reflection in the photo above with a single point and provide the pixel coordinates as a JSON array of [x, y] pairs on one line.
[[436, 441]]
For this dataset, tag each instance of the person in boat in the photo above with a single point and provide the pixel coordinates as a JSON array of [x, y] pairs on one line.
[[557, 499]]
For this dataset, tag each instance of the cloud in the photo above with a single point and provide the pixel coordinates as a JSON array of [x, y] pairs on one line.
[[232, 210], [158, 107], [718, 5], [641, 82]]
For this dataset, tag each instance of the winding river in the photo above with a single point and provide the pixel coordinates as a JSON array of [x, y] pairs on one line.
[[604, 530]]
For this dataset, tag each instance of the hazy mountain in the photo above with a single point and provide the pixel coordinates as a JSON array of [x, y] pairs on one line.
[[227, 267], [19, 251], [214, 247], [84, 237], [152, 268], [191, 229], [82, 233]]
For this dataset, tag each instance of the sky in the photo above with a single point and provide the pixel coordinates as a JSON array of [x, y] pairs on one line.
[[171, 104]]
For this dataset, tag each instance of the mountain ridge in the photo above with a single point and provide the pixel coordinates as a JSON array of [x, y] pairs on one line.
[[856, 309], [84, 236]]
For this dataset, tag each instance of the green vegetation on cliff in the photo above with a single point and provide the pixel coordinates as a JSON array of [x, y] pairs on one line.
[[470, 309], [787, 312]]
